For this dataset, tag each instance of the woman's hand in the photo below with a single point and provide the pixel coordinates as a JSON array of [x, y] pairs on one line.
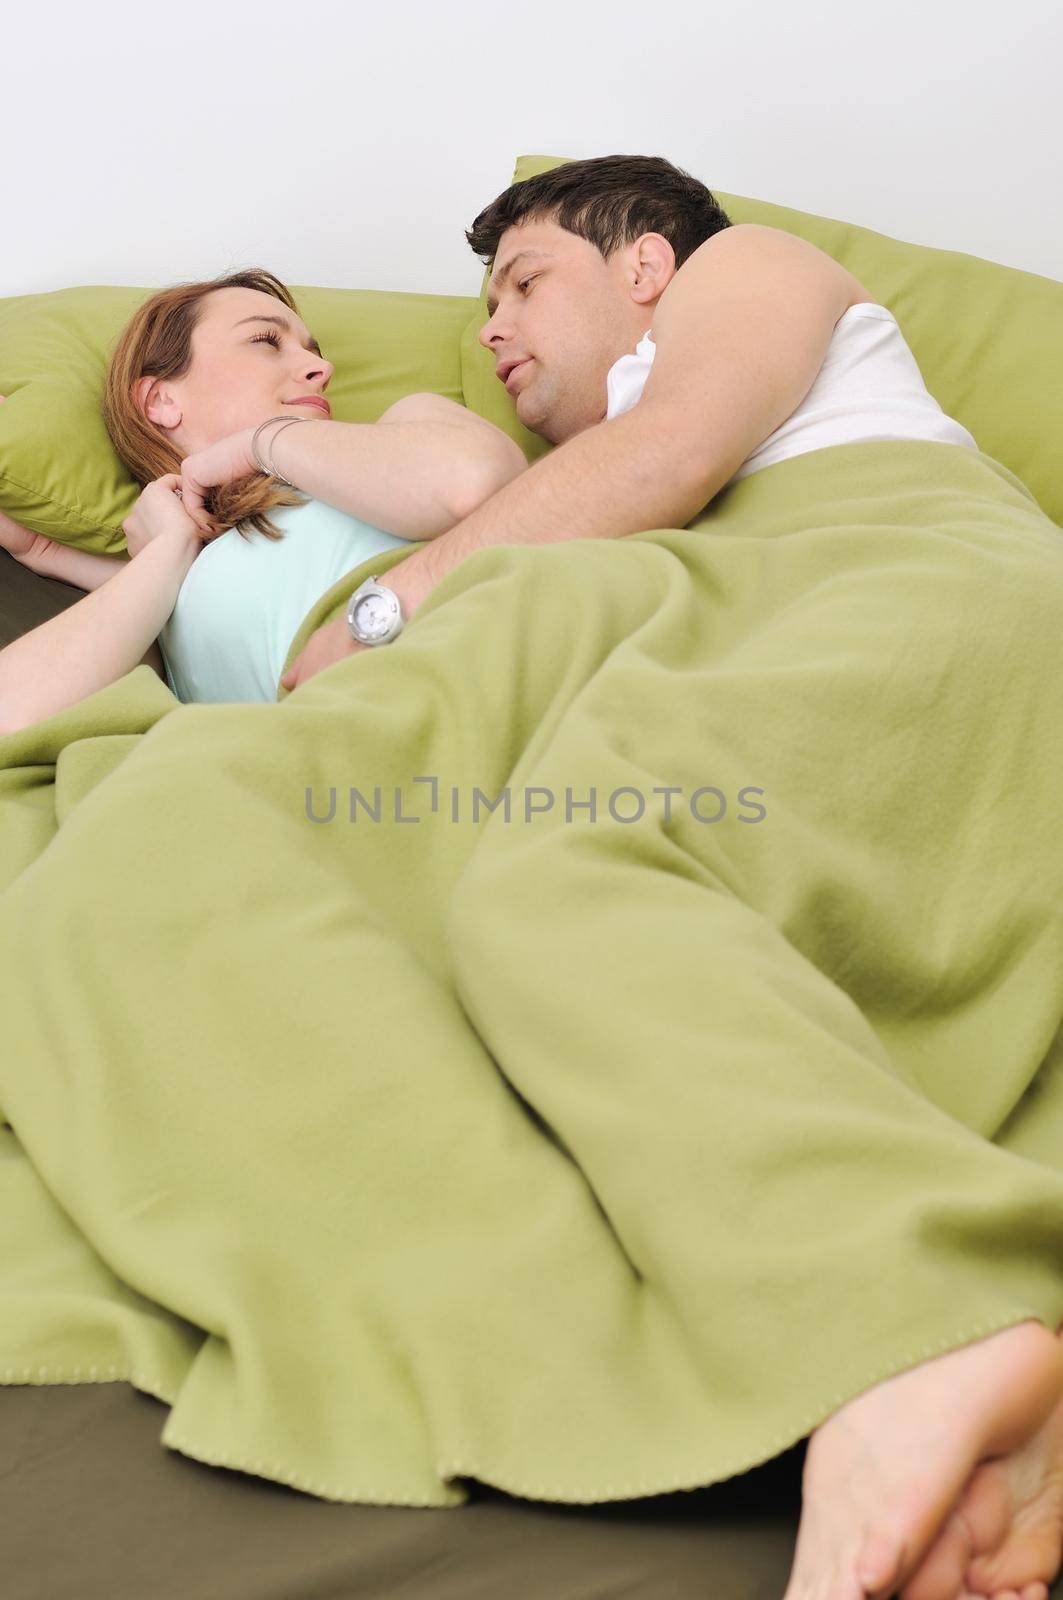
[[33, 550], [225, 461], [49, 558], [160, 514], [19, 541]]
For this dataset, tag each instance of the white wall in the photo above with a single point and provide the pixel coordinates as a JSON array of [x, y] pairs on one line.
[[350, 144]]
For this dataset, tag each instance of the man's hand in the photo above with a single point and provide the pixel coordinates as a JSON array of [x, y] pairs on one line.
[[323, 649], [412, 579]]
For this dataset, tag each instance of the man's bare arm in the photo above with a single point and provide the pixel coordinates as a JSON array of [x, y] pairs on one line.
[[741, 332], [620, 476]]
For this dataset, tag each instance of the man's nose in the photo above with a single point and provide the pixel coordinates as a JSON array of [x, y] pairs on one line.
[[493, 328]]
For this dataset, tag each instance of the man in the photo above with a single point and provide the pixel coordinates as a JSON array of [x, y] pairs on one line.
[[587, 258]]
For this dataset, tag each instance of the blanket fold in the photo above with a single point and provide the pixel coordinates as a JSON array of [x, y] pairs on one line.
[[579, 1047]]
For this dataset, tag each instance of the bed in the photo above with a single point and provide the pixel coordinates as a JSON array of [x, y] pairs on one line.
[[153, 1502]]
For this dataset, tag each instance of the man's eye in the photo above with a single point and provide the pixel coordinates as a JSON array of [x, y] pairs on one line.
[[270, 338], [525, 281]]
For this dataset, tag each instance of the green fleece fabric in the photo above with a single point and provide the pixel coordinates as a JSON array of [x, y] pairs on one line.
[[588, 1156]]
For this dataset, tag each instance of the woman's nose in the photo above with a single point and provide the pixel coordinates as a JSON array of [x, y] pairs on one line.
[[317, 370]]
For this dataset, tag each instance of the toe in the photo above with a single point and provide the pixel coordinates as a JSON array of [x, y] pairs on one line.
[[880, 1563], [941, 1572]]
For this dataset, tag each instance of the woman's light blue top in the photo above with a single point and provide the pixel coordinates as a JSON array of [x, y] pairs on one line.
[[241, 604]]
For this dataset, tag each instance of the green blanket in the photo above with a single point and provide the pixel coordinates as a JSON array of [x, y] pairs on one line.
[[588, 1155]]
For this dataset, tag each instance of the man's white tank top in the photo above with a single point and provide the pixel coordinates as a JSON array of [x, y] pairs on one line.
[[869, 387]]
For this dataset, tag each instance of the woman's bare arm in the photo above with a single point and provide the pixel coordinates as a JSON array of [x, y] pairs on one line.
[[51, 559], [425, 464], [97, 640], [82, 568]]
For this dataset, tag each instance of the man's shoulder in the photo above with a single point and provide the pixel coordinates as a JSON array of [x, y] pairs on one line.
[[748, 244], [741, 330]]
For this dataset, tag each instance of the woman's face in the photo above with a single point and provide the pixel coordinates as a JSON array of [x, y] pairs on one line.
[[252, 358]]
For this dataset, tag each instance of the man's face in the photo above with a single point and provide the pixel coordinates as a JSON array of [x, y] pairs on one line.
[[567, 314]]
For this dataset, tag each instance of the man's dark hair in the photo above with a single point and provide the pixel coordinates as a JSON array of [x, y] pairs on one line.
[[609, 201]]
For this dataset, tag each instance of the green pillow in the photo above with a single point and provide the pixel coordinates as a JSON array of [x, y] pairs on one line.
[[988, 339], [59, 474]]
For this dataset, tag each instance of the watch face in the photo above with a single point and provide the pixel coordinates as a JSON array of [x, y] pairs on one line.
[[373, 615]]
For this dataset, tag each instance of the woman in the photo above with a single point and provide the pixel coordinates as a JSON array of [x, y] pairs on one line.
[[225, 560]]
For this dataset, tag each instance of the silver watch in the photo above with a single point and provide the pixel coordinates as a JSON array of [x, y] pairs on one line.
[[374, 614]]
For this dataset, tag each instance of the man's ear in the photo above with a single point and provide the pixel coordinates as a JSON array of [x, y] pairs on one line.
[[157, 401], [652, 267]]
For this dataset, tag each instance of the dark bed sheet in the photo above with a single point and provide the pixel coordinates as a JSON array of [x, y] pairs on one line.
[[27, 600], [94, 1507]]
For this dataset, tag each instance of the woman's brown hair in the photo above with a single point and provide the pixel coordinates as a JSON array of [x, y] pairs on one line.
[[158, 343]]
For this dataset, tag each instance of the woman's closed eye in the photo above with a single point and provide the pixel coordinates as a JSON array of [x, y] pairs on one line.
[[270, 338]]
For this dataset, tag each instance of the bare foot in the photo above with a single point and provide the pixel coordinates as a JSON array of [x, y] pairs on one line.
[[1005, 1536], [883, 1474]]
